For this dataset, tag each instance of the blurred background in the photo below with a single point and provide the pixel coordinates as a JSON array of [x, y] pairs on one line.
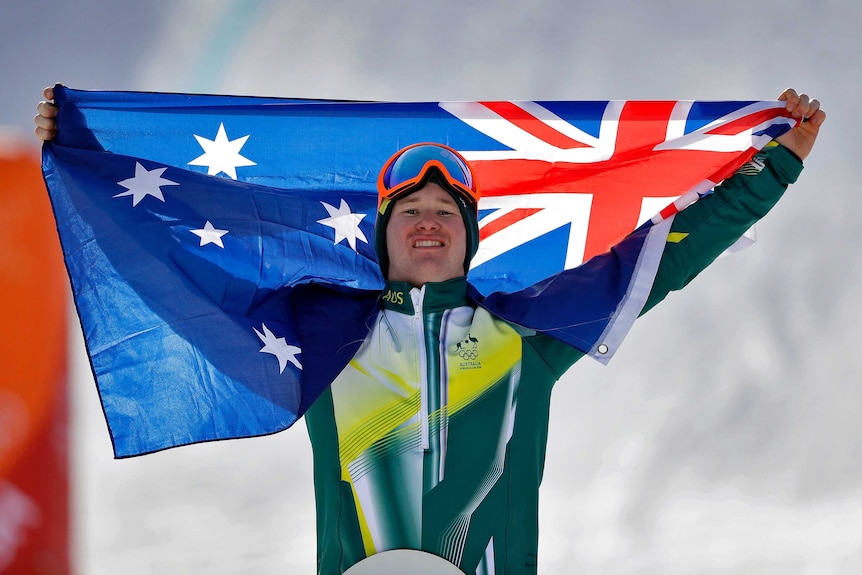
[[725, 437]]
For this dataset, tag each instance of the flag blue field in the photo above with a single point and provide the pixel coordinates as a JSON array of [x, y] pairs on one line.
[[204, 235]]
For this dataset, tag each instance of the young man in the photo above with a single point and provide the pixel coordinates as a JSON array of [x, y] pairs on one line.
[[432, 436]]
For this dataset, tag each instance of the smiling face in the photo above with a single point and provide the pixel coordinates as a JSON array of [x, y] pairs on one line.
[[425, 237]]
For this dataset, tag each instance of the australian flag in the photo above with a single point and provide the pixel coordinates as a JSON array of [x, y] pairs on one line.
[[188, 221]]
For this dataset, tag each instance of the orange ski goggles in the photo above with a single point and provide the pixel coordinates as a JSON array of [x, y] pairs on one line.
[[411, 167]]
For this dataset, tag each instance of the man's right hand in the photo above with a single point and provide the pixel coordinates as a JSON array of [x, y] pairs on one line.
[[46, 116]]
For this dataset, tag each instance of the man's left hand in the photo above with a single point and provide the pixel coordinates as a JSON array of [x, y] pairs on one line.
[[800, 140]]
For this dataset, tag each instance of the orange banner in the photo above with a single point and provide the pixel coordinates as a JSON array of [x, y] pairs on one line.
[[34, 486]]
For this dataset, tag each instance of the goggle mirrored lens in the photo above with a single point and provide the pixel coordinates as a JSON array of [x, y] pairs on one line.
[[413, 161]]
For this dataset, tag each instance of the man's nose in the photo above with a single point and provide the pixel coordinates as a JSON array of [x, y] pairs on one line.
[[428, 222]]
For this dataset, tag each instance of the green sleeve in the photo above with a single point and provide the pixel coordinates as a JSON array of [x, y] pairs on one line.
[[705, 229], [556, 357]]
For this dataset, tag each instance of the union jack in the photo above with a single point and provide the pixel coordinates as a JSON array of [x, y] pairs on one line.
[[640, 160]]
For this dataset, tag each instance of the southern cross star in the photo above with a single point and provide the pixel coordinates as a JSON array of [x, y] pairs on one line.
[[278, 347], [210, 235], [145, 183], [344, 222], [221, 155]]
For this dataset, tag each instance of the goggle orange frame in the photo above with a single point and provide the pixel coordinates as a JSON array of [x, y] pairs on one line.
[[409, 167]]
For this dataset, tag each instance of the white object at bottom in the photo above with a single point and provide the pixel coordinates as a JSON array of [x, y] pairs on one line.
[[404, 562]]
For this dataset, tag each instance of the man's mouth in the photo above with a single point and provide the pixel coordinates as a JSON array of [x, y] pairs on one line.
[[427, 244]]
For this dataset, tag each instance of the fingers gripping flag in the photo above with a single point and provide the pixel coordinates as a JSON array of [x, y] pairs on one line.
[[195, 228]]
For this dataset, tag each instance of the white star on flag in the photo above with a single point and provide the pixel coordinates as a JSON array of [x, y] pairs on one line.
[[145, 183], [221, 155], [344, 222], [278, 347], [210, 235]]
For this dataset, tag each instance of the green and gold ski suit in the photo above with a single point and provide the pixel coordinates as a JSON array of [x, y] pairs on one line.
[[434, 436]]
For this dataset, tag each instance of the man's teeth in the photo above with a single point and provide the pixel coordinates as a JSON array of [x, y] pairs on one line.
[[427, 244]]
